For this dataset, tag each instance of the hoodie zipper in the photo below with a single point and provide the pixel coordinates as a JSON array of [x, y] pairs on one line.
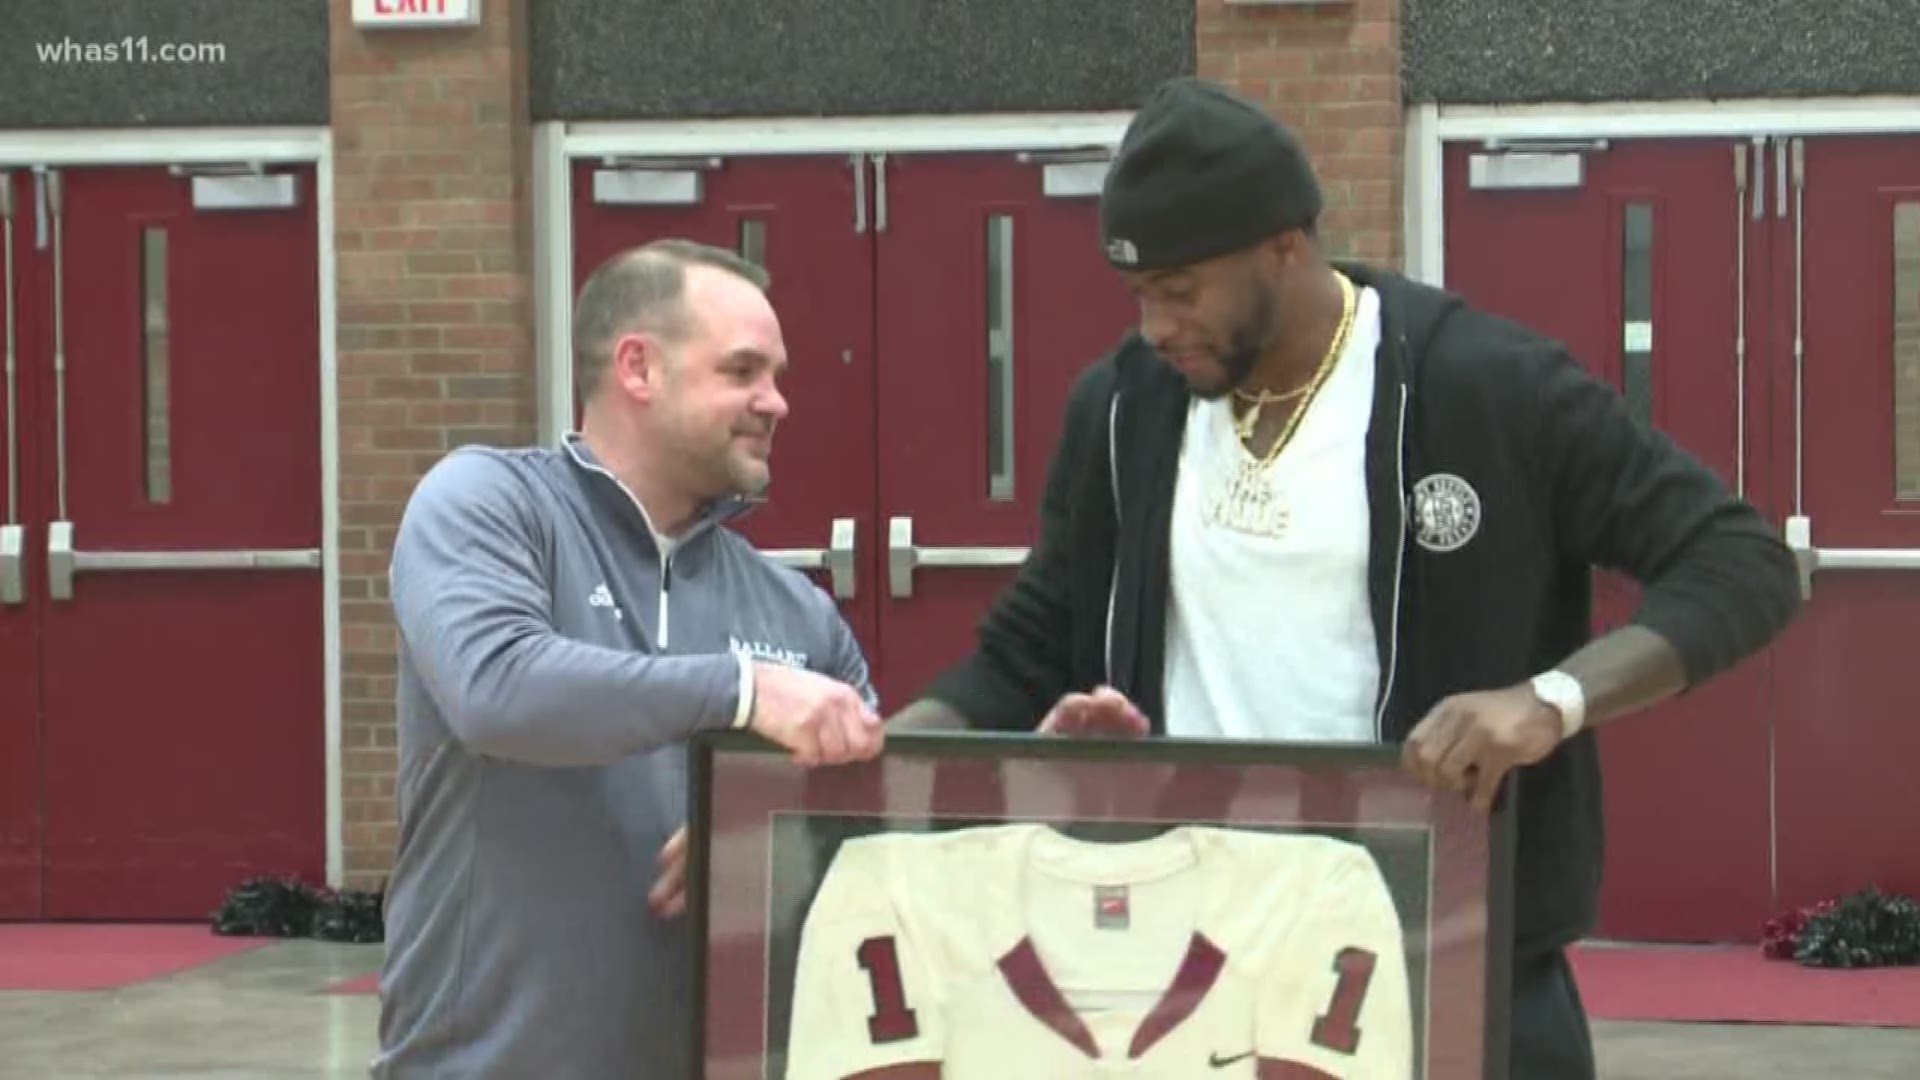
[[1399, 565]]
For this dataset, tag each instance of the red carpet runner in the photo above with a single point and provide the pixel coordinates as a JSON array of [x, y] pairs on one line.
[[1733, 984], [1738, 985], [59, 956]]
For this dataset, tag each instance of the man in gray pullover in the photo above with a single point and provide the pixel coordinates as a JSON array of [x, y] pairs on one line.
[[568, 617]]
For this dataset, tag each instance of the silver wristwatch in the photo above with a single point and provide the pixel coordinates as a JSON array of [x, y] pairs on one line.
[[1563, 692]]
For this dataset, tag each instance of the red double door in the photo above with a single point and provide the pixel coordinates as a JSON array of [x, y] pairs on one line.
[[1757, 300], [162, 727], [936, 309]]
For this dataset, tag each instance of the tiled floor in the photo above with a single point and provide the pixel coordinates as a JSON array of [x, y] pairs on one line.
[[260, 1015], [263, 1015]]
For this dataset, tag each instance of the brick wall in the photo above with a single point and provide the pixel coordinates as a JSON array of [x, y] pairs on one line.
[[433, 227], [1331, 72]]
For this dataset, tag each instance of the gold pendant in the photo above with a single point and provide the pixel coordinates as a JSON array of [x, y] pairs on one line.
[[1247, 504], [1244, 426]]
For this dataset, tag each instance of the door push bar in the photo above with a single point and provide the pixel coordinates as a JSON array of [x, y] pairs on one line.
[[903, 557], [1799, 537], [63, 562], [836, 559]]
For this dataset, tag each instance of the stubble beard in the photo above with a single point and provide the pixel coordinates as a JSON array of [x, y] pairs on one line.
[[743, 473], [1244, 348], [751, 477]]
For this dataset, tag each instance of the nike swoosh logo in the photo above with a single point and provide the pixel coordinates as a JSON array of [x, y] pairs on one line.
[[1219, 1062]]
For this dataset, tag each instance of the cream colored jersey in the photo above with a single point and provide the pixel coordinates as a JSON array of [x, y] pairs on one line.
[[1013, 952]]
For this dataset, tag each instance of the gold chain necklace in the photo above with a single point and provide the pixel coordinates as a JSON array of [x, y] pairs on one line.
[[1247, 503], [1246, 424]]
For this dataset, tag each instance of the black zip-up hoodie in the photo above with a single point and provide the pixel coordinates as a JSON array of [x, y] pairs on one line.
[[1565, 480]]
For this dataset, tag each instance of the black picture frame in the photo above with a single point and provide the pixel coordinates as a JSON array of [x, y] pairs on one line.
[[1467, 869]]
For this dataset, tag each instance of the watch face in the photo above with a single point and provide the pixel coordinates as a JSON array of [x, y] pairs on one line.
[[1563, 692]]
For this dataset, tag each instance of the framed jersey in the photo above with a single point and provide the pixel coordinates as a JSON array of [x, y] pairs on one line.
[[977, 906]]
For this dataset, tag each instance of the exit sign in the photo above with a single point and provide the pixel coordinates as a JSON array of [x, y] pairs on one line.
[[381, 14]]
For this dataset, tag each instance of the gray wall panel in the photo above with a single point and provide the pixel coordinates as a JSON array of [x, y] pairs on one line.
[[1516, 51], [644, 59], [271, 67]]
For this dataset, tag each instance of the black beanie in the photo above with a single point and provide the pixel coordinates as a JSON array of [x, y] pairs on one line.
[[1199, 173]]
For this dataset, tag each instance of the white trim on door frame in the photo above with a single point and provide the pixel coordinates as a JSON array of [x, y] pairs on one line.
[[273, 145], [552, 286], [1424, 216], [557, 143], [1430, 127], [162, 146], [330, 509], [847, 135], [1681, 119]]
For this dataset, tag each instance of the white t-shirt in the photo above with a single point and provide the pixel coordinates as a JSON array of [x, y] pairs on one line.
[[1272, 638]]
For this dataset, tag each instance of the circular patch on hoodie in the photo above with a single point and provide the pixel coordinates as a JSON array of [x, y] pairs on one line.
[[1446, 512]]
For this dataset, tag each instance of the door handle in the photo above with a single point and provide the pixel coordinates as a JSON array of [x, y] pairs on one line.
[[12, 586], [1740, 321], [51, 203], [904, 557], [1811, 559], [836, 558], [12, 540], [1799, 310], [63, 562]]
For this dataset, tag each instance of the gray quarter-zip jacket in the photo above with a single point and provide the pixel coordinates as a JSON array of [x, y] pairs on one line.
[[552, 664]]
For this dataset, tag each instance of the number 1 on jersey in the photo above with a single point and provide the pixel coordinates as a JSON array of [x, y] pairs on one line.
[[891, 1021], [1338, 1029]]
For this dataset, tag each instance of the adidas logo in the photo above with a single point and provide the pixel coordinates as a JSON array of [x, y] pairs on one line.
[[603, 597]]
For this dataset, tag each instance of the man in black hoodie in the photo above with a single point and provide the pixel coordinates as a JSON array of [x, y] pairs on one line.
[[1308, 500]]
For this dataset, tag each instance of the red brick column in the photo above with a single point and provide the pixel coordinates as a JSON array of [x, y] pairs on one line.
[[434, 232], [1331, 72]]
